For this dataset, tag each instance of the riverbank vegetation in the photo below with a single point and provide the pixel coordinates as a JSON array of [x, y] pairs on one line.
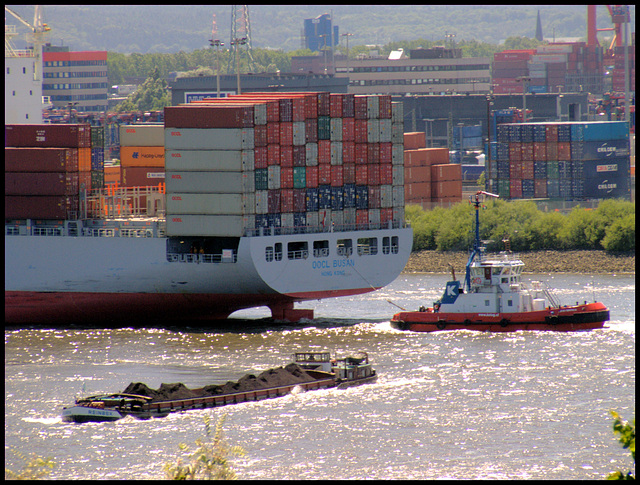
[[611, 226]]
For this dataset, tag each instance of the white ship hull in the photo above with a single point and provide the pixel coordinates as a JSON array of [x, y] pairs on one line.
[[60, 279]]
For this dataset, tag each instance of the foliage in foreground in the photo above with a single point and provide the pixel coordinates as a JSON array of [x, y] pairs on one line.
[[210, 461], [627, 433], [610, 227], [34, 468]]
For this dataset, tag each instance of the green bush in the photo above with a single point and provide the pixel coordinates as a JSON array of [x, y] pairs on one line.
[[621, 235], [627, 433]]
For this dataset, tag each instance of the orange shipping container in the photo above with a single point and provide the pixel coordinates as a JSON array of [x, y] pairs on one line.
[[84, 159], [415, 140], [446, 172], [112, 175], [142, 157], [417, 191], [448, 189], [426, 157], [417, 174]]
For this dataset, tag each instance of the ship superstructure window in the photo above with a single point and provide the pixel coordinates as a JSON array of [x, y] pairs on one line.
[[394, 244], [268, 253], [367, 245], [386, 245], [320, 249], [345, 247], [298, 250], [278, 251]]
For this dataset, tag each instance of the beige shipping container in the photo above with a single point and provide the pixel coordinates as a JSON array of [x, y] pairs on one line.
[[210, 182], [207, 225], [209, 138], [141, 135], [223, 204], [210, 160], [142, 156]]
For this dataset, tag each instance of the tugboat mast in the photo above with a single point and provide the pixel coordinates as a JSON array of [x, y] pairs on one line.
[[476, 242]]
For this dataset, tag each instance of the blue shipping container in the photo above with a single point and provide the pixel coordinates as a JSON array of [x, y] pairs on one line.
[[539, 132], [616, 167], [539, 170], [312, 200], [324, 197], [362, 197], [349, 196], [598, 150], [337, 198], [605, 186], [553, 188], [600, 131]]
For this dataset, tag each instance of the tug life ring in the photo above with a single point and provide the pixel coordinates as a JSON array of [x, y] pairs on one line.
[[441, 324], [504, 322], [436, 307]]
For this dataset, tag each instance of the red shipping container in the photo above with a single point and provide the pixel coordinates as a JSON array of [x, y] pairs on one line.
[[41, 183], [40, 159], [373, 153], [362, 175], [273, 133], [386, 152], [273, 201], [84, 178], [323, 104], [362, 216], [564, 150], [141, 176], [540, 188], [335, 105], [260, 136], [515, 151], [211, 116], [527, 169], [349, 173], [446, 172], [384, 103], [260, 157], [361, 153], [374, 197], [386, 174], [40, 207], [299, 156], [444, 189], [539, 151], [415, 140], [273, 154], [373, 177], [515, 54], [286, 110], [324, 151], [552, 150], [515, 169], [361, 128], [515, 188], [527, 150], [286, 156], [386, 215], [286, 200], [360, 107], [312, 177], [298, 105], [311, 130], [286, 133], [324, 174], [299, 200], [48, 135], [337, 176], [348, 129], [348, 152], [286, 178]]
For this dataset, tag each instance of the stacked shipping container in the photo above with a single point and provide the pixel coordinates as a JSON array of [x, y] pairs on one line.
[[429, 177], [45, 167], [561, 160], [284, 160], [141, 155]]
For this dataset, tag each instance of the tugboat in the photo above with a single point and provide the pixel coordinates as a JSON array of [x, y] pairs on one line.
[[493, 298]]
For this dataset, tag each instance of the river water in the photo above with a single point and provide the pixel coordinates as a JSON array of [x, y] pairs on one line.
[[453, 404]]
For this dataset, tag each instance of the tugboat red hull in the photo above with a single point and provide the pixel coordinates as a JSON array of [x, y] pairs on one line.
[[564, 319]]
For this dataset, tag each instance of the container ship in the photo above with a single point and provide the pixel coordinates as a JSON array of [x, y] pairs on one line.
[[263, 199]]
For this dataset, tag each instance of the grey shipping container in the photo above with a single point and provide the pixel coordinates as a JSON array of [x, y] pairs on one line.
[[141, 135], [225, 204], [209, 160], [207, 225], [210, 182], [209, 139]]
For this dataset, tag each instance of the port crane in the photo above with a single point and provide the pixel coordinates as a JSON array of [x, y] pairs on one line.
[[36, 36]]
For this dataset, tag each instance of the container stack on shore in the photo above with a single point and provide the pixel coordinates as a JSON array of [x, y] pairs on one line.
[[574, 160], [430, 180], [141, 155], [283, 160], [45, 167]]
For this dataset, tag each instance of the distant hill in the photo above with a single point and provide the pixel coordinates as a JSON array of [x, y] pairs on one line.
[[145, 29]]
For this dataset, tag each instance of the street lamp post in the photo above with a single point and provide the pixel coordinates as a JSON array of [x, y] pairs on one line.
[[488, 160], [238, 42], [217, 44], [347, 35], [525, 85]]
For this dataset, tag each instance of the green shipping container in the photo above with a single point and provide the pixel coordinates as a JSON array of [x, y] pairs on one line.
[[299, 177], [262, 178], [97, 136], [97, 179], [552, 170], [324, 128], [503, 189]]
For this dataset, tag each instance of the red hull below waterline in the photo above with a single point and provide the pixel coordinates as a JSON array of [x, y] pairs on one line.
[[564, 319]]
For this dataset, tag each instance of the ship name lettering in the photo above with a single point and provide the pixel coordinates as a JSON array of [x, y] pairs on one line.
[[176, 155], [176, 133], [176, 219], [174, 176], [341, 263], [176, 197], [320, 265], [131, 130]]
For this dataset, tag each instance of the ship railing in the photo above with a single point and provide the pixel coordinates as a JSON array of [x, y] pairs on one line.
[[47, 231], [200, 258], [302, 254], [287, 230]]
